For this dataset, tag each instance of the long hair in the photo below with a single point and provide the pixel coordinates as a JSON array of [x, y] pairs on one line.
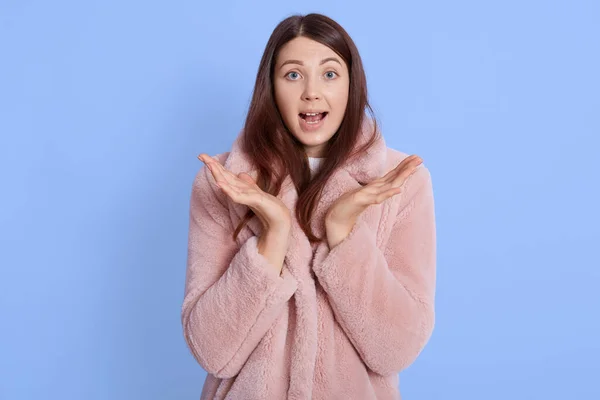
[[273, 150]]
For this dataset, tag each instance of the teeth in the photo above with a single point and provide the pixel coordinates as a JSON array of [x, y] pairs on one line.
[[312, 114]]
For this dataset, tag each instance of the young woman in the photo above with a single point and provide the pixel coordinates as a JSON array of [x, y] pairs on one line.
[[312, 250]]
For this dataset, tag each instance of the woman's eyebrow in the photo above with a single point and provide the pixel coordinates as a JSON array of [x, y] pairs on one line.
[[323, 61]]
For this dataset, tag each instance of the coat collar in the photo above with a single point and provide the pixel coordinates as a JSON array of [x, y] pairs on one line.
[[364, 168]]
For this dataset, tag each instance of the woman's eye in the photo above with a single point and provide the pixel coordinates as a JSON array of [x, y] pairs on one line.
[[295, 75]]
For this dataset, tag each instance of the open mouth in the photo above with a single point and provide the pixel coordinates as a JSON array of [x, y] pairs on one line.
[[313, 118]]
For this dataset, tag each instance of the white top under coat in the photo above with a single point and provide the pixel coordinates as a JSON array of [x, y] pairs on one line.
[[314, 163]]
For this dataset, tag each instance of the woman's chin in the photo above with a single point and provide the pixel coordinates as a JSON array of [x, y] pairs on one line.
[[313, 145]]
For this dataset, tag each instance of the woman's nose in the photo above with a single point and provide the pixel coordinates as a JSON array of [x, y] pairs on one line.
[[311, 90]]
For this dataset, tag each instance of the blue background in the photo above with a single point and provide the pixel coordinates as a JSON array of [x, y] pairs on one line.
[[104, 106]]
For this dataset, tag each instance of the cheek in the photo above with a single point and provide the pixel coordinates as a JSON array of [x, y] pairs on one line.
[[339, 94], [283, 101], [340, 100], [344, 100]]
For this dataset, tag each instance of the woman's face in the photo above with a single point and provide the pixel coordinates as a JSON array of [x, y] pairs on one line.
[[311, 78]]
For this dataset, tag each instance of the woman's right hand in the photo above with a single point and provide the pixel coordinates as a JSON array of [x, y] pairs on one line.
[[242, 189]]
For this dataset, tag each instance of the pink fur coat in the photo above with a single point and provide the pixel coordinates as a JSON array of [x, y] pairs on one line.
[[338, 323]]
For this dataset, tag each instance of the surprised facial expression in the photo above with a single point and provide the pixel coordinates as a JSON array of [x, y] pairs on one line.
[[311, 84]]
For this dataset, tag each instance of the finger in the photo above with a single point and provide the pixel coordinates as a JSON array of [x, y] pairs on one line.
[[393, 173], [246, 178], [222, 175], [219, 172], [408, 164], [216, 165], [379, 198], [243, 183], [242, 190], [232, 187], [233, 179], [408, 167], [215, 173], [209, 161], [206, 159], [246, 196], [391, 184]]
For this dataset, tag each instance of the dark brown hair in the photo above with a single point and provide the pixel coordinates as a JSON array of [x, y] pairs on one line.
[[267, 142]]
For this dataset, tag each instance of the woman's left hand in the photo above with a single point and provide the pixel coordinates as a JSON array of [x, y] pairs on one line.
[[342, 215]]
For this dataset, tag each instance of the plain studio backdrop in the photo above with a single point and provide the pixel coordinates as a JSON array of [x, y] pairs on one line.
[[104, 106]]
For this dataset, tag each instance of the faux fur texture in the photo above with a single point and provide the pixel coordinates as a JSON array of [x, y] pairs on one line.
[[339, 323]]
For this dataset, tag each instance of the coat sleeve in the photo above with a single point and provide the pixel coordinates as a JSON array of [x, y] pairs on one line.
[[384, 300], [232, 294]]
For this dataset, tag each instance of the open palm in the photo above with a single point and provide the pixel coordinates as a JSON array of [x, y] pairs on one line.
[[242, 189], [350, 205]]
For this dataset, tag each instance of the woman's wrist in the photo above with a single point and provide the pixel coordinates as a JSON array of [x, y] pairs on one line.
[[273, 244]]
